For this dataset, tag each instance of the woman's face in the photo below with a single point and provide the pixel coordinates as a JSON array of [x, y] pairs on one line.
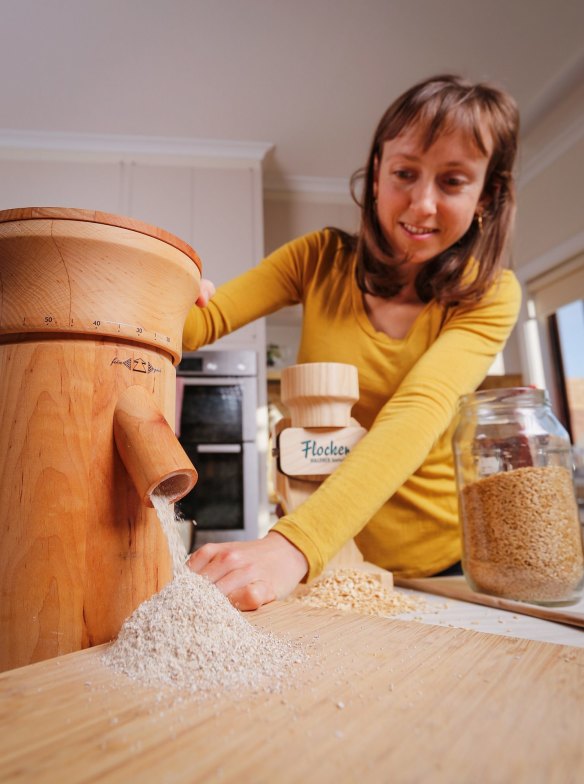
[[427, 199]]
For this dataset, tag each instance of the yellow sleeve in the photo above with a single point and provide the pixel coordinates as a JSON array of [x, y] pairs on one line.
[[406, 428], [276, 282]]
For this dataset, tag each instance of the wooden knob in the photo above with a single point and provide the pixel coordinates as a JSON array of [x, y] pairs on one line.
[[320, 394]]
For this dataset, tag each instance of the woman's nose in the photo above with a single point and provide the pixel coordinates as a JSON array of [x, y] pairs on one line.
[[423, 198]]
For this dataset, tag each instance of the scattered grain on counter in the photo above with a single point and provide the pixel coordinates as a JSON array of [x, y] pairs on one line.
[[522, 536], [353, 590], [189, 636]]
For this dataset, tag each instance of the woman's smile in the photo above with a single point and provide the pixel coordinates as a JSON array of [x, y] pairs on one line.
[[420, 232]]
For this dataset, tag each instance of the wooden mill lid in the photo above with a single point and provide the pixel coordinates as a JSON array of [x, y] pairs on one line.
[[95, 216]]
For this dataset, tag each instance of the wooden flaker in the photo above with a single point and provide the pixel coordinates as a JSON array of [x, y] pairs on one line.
[[320, 394], [316, 438], [320, 432], [91, 319]]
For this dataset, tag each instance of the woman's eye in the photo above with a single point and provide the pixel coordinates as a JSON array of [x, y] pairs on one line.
[[403, 174], [454, 182]]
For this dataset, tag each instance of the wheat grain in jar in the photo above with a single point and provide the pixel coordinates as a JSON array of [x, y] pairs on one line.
[[521, 533]]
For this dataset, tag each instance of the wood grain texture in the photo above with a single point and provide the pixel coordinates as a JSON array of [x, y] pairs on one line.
[[106, 218], [87, 309], [379, 701], [149, 449], [320, 394], [79, 549], [72, 276]]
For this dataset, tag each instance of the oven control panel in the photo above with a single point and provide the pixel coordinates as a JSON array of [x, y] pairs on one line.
[[218, 363]]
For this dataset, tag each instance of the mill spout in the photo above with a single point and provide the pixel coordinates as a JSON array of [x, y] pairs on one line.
[[150, 451]]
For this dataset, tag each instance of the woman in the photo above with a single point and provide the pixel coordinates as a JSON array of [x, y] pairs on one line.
[[419, 302]]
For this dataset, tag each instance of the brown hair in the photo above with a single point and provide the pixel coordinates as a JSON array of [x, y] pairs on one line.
[[444, 103]]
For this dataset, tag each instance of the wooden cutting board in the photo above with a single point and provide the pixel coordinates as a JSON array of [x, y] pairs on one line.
[[380, 701], [457, 588]]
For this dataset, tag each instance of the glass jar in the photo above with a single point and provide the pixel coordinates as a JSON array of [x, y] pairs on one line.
[[521, 534]]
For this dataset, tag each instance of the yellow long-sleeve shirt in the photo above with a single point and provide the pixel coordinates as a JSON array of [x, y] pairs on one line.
[[395, 492]]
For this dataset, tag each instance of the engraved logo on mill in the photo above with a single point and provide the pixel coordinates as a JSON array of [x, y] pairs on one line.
[[137, 365]]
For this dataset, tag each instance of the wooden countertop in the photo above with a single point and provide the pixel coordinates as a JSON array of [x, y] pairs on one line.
[[381, 700]]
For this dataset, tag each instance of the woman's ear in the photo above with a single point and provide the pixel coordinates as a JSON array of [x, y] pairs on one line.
[[489, 198], [375, 176]]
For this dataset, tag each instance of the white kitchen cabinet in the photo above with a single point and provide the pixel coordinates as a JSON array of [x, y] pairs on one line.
[[214, 209], [227, 224], [162, 196], [58, 183], [224, 221]]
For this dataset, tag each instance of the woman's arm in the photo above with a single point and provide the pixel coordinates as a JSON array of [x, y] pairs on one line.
[[276, 282], [406, 428], [397, 444]]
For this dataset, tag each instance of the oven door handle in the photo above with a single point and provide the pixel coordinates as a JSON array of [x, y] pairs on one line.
[[218, 448]]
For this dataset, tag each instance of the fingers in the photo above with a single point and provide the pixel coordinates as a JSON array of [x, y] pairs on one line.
[[251, 573], [217, 562], [207, 289], [201, 557], [233, 575], [252, 596], [224, 565]]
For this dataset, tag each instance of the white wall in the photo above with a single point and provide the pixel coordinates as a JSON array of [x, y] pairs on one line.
[[291, 214]]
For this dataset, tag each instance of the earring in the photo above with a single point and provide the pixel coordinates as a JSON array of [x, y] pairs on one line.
[[480, 221]]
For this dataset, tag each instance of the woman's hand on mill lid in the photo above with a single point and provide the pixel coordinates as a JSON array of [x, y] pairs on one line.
[[251, 573], [206, 292]]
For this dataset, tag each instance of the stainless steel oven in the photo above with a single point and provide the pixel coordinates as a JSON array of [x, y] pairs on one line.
[[217, 426]]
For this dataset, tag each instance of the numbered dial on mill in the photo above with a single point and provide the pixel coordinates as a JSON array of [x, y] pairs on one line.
[[76, 276]]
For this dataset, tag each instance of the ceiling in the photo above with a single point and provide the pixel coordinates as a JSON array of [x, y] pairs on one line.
[[310, 77]]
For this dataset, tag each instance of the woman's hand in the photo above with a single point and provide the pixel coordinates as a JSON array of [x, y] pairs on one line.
[[251, 573], [206, 292]]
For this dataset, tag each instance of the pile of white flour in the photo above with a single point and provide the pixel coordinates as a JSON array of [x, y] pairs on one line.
[[189, 636]]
